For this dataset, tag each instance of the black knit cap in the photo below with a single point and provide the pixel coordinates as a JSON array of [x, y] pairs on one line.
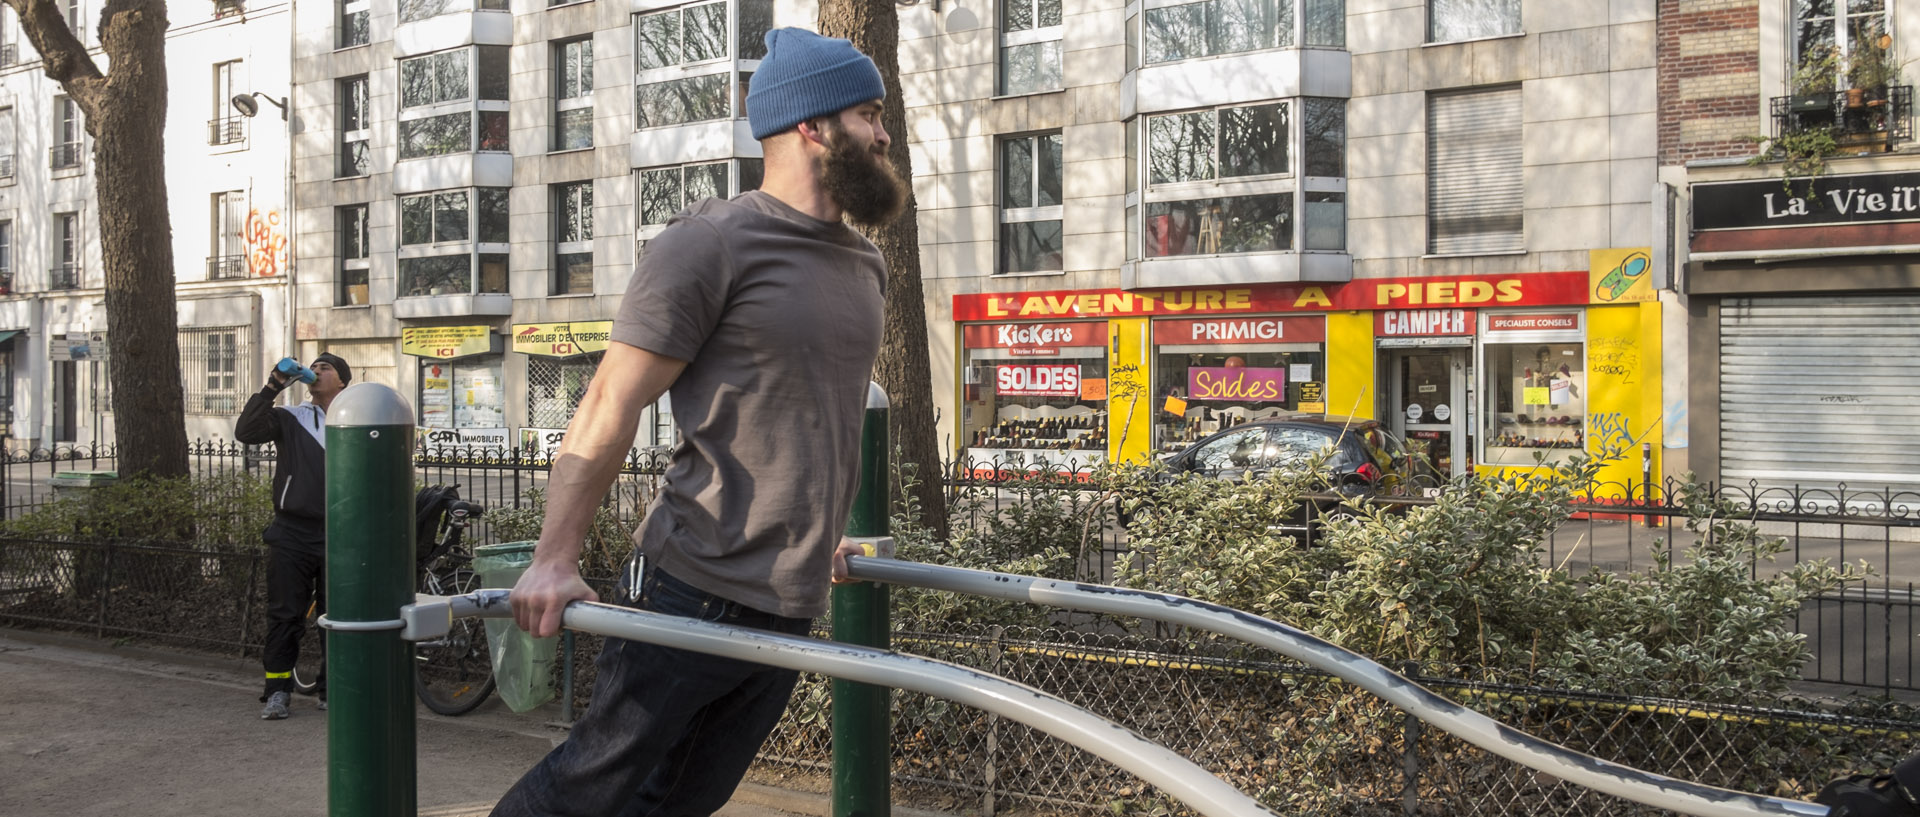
[[340, 367]]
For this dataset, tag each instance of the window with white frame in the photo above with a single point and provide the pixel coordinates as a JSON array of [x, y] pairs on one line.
[[413, 11], [681, 70], [74, 19], [573, 238], [1219, 181], [6, 257], [573, 94], [210, 360], [1456, 20], [9, 37], [1031, 170], [66, 251], [7, 141], [665, 191], [355, 16], [1185, 29], [454, 242], [756, 19], [354, 252], [227, 255], [66, 133], [1030, 43], [227, 126], [1846, 31], [356, 153], [1475, 198], [454, 101]]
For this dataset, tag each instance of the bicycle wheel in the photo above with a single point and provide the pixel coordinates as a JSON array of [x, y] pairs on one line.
[[310, 672], [454, 674]]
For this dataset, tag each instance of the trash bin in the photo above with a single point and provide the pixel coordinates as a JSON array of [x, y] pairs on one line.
[[522, 664], [75, 484], [81, 572]]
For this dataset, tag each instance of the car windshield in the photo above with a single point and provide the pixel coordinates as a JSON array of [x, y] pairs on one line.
[[1296, 447]]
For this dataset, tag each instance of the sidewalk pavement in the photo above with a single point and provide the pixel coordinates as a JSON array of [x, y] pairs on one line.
[[90, 729]]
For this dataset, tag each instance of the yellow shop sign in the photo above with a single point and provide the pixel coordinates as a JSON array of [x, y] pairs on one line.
[[561, 339], [446, 342]]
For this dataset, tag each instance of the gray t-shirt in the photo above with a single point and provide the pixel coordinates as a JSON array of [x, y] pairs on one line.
[[778, 315]]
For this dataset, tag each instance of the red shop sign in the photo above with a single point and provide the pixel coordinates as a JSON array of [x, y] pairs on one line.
[[1037, 380], [1533, 323], [1417, 323], [1034, 338], [1238, 331]]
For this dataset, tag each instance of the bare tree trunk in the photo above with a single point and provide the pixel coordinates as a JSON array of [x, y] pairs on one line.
[[903, 368], [126, 114]]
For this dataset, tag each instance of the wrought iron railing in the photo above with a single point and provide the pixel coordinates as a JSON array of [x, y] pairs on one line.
[[6, 282], [1882, 118], [226, 267], [226, 130], [228, 8], [64, 155], [64, 276], [6, 167]]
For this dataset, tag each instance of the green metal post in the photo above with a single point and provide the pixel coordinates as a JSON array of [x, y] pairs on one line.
[[861, 755], [370, 721]]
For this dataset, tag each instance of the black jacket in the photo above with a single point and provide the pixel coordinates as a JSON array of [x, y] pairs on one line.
[[300, 475]]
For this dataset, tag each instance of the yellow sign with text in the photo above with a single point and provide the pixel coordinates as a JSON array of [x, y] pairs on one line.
[[445, 342], [561, 339], [1621, 276]]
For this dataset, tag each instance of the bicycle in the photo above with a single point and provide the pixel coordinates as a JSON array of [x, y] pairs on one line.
[[451, 675]]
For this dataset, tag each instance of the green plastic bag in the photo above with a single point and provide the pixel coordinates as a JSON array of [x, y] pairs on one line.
[[522, 664]]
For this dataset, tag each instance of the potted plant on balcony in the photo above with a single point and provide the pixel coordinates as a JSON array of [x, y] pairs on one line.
[[1870, 69], [1811, 85]]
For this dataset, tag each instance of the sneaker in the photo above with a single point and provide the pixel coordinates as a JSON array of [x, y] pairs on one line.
[[276, 708], [322, 705]]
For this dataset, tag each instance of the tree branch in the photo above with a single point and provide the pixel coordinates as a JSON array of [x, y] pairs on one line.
[[62, 55]]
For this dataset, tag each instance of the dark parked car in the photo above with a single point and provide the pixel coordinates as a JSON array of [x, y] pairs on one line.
[[1363, 456]]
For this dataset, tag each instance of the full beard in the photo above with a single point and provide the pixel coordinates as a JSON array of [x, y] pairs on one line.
[[861, 180]]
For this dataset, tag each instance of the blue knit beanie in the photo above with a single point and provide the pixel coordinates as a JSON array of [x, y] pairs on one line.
[[805, 75]]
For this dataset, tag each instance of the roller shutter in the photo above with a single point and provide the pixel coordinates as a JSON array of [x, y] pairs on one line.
[[1474, 188], [1821, 391]]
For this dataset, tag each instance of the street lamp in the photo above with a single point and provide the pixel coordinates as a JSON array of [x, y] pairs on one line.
[[247, 107]]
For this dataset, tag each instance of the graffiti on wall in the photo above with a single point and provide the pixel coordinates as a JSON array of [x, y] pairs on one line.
[[266, 244]]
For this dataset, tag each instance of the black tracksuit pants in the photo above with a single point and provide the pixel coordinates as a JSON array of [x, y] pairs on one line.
[[296, 581]]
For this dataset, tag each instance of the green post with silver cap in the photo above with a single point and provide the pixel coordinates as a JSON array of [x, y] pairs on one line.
[[862, 756], [371, 759]]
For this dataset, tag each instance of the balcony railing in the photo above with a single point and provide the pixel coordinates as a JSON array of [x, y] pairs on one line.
[[228, 8], [1870, 119], [226, 267], [64, 276], [6, 282], [6, 167], [226, 131], [65, 156]]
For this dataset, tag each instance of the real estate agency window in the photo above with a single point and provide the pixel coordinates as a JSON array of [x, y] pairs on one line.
[[356, 157], [573, 94], [1031, 170], [1475, 197], [1535, 392], [211, 359], [681, 70], [454, 242], [1232, 370], [463, 394], [1219, 181], [1035, 394], [353, 22], [573, 238], [665, 191], [1030, 46], [454, 102], [1456, 20], [555, 386], [355, 251]]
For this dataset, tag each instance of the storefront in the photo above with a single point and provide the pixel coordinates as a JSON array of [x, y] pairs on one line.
[[1804, 348], [462, 394], [1512, 371]]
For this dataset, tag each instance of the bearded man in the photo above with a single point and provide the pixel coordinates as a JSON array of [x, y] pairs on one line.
[[762, 316]]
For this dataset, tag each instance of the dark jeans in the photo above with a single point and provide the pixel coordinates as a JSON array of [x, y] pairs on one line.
[[296, 562], [669, 732]]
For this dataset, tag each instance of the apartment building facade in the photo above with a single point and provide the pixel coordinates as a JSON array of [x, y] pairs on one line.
[[227, 189]]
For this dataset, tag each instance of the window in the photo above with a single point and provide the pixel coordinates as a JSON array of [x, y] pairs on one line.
[[223, 9], [356, 156], [66, 251], [1184, 29], [1455, 20], [756, 19], [350, 224], [667, 191], [354, 17], [73, 20], [413, 11], [666, 45], [555, 387], [6, 258], [1219, 182], [1860, 24], [1030, 46], [66, 133], [454, 242], [463, 393], [227, 258], [454, 102], [1537, 393], [1030, 203], [573, 238], [227, 126], [6, 145], [210, 361], [1474, 192], [573, 94]]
